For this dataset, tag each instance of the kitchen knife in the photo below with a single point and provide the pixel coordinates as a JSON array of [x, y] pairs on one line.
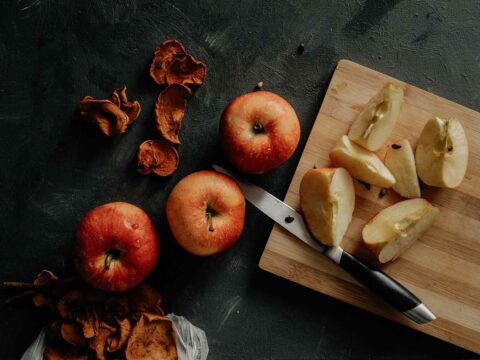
[[371, 277]]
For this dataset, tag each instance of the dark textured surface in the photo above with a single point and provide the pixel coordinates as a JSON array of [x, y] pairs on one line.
[[54, 169]]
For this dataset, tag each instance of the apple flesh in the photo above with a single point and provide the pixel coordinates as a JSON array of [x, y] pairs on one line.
[[327, 199], [442, 153], [375, 123], [116, 247], [259, 131], [400, 161], [206, 212], [394, 229], [361, 163]]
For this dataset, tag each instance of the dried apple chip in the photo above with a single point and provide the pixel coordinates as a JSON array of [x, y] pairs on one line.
[[169, 111], [105, 114], [186, 70], [152, 338], [131, 108], [54, 353], [45, 278], [68, 305], [165, 53], [118, 340], [157, 156], [90, 323], [73, 334], [99, 342], [58, 349], [145, 298]]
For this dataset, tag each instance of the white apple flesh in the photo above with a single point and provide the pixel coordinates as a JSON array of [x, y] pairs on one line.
[[400, 161], [327, 199], [442, 153], [394, 229], [375, 123], [361, 164]]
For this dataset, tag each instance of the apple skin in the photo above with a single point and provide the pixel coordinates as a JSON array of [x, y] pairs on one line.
[[259, 131], [126, 233], [190, 202]]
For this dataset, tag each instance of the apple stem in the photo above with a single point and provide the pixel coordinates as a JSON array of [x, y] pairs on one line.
[[209, 221]]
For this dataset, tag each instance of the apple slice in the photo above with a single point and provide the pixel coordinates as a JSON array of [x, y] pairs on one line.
[[375, 123], [394, 229], [361, 164], [400, 161], [327, 199], [442, 153]]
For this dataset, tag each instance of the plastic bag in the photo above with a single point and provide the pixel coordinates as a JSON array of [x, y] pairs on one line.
[[35, 350], [191, 342]]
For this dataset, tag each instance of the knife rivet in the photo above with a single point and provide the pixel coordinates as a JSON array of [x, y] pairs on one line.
[[289, 219]]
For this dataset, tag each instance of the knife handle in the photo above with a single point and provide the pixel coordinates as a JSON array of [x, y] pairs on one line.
[[388, 289]]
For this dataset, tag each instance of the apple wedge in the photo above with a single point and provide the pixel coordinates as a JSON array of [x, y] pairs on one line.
[[375, 123], [400, 161], [442, 153], [327, 199], [361, 164], [394, 229]]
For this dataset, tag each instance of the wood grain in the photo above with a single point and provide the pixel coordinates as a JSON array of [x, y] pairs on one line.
[[443, 268]]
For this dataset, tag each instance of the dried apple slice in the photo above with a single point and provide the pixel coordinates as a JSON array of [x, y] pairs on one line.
[[375, 123], [400, 161], [185, 70], [73, 334], [110, 119], [152, 338], [442, 153], [394, 229], [165, 53], [131, 108], [157, 156], [361, 164], [169, 111], [327, 199]]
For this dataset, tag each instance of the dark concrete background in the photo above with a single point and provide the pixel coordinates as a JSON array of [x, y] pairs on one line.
[[54, 168]]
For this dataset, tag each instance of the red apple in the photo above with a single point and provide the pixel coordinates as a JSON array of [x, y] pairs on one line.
[[206, 212], [116, 247], [259, 131]]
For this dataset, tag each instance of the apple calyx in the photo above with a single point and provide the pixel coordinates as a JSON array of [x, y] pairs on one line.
[[258, 128], [111, 255]]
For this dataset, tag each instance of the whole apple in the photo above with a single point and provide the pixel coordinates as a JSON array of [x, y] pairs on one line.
[[206, 212], [259, 131], [116, 247]]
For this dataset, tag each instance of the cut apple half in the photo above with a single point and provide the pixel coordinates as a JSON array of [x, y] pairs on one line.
[[442, 153], [375, 123], [327, 199], [394, 229], [400, 161], [361, 164]]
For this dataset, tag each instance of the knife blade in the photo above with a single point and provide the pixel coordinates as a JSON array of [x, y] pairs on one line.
[[371, 277]]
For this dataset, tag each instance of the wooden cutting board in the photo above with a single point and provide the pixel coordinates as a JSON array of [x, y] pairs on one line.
[[443, 267]]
